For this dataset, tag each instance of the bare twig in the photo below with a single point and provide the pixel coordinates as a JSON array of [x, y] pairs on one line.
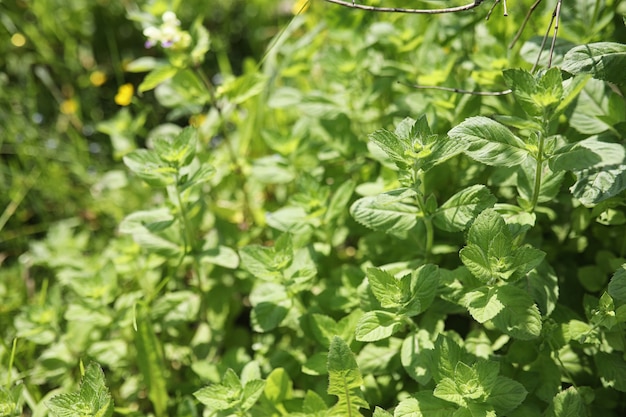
[[526, 19], [353, 5], [458, 90], [557, 18]]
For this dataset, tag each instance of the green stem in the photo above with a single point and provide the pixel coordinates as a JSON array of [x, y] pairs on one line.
[[187, 239], [430, 232], [538, 170]]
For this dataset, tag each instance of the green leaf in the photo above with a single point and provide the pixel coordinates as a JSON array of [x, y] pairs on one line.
[[415, 356], [424, 404], [270, 305], [242, 88], [377, 325], [150, 168], [386, 288], [178, 151], [92, 399], [393, 146], [221, 396], [538, 94], [278, 386], [490, 142], [419, 289], [344, 380], [568, 403], [612, 370], [157, 76], [150, 361], [458, 212], [596, 185], [588, 153], [520, 318], [447, 390], [252, 391], [446, 354], [506, 395], [379, 412], [483, 303], [387, 212], [323, 328], [313, 403], [617, 285], [603, 60], [339, 201], [543, 286]]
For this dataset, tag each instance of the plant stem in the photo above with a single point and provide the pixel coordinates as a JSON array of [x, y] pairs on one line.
[[187, 239], [538, 171]]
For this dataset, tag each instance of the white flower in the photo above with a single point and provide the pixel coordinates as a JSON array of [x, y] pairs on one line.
[[168, 34]]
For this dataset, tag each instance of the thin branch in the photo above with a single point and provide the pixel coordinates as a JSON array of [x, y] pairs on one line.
[[353, 5], [458, 90], [495, 3], [557, 17], [526, 19], [543, 42]]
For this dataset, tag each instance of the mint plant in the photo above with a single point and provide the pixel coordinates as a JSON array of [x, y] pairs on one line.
[[301, 232]]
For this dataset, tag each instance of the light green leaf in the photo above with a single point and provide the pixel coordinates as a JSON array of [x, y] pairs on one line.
[[490, 142], [603, 60], [447, 390], [242, 88], [393, 146], [387, 212], [543, 286], [313, 403], [178, 151], [379, 412], [150, 361], [339, 201], [221, 396], [415, 356], [270, 305], [150, 168], [157, 76], [386, 288], [419, 289], [568, 403], [482, 303], [344, 380], [424, 404], [457, 213], [92, 399], [273, 169], [323, 328], [252, 391], [278, 386], [506, 395], [377, 325]]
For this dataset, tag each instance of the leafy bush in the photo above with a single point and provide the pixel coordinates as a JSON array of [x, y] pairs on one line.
[[311, 235]]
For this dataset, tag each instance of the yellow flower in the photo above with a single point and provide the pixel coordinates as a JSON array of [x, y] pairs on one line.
[[300, 6], [69, 106], [18, 40], [197, 119], [97, 78], [124, 94]]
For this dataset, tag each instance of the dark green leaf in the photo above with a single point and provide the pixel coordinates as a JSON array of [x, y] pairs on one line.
[[520, 317], [568, 403]]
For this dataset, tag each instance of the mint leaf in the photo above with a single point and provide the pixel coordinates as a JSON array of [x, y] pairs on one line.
[[490, 142], [617, 285], [457, 213], [419, 289], [223, 396], [424, 404], [92, 399], [520, 318], [386, 288], [506, 395], [377, 325], [612, 370], [379, 412], [568, 403], [344, 380], [150, 168], [482, 303], [604, 60], [278, 386], [388, 212], [415, 356]]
